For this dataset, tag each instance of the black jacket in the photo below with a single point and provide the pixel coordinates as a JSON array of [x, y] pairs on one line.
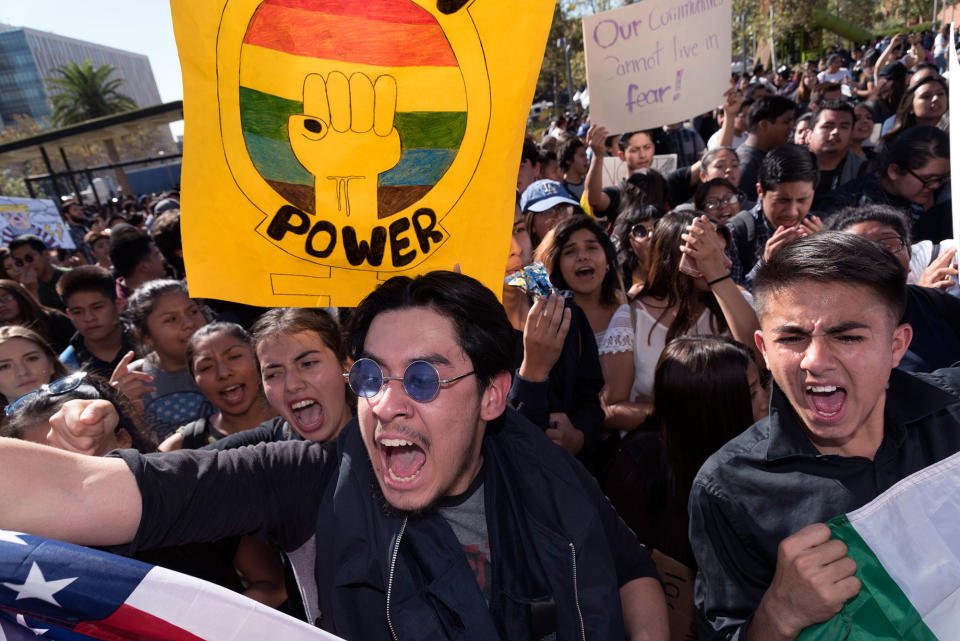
[[770, 482], [559, 551]]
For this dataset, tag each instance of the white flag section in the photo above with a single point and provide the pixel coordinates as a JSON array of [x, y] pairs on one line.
[[954, 71], [62, 591], [906, 543], [656, 62]]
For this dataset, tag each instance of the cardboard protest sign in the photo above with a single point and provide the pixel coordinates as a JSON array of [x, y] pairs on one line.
[[332, 144], [678, 589], [615, 169], [22, 216], [656, 62]]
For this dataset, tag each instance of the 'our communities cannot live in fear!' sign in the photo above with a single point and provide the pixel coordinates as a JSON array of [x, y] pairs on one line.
[[656, 62], [332, 144]]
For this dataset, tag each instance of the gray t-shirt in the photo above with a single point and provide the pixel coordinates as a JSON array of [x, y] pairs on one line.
[[466, 515], [176, 401]]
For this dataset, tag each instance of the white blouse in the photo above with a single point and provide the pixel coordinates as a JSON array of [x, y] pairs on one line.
[[633, 335]]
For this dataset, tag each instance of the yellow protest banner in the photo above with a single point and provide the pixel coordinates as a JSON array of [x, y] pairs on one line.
[[332, 144]]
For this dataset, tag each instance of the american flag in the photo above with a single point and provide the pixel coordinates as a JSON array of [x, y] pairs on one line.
[[55, 590]]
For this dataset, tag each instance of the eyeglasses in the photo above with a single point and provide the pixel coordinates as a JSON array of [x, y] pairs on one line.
[[717, 203], [893, 244], [58, 387], [930, 180], [28, 258], [640, 230], [421, 380]]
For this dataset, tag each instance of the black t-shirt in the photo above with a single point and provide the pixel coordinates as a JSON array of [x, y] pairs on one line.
[[750, 159], [829, 180]]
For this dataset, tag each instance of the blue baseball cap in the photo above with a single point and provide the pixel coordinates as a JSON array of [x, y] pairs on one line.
[[584, 128], [544, 194]]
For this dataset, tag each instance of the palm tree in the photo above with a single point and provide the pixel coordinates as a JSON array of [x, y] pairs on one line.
[[82, 92]]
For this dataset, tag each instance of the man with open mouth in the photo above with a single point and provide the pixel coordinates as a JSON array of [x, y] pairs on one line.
[[844, 426], [439, 514]]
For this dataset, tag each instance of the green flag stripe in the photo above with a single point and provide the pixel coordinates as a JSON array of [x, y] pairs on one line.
[[880, 611], [265, 115], [431, 129]]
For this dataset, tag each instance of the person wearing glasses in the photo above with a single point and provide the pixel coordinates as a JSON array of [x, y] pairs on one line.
[[718, 199], [32, 258], [439, 512], [913, 176], [631, 236], [933, 314]]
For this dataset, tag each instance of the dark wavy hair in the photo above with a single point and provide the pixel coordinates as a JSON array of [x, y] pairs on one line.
[[914, 148], [42, 406], [833, 257], [552, 249], [701, 400], [483, 330], [39, 318], [905, 117], [627, 261], [666, 282]]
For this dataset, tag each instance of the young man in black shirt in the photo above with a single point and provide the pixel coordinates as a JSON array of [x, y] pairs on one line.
[[844, 426], [390, 509], [90, 295], [829, 140]]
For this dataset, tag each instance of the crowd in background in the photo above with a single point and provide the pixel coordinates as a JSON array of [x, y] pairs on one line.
[[642, 365]]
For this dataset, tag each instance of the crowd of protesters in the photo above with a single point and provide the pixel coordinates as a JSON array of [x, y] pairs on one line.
[[765, 281]]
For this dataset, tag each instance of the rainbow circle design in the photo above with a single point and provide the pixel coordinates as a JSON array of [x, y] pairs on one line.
[[289, 39]]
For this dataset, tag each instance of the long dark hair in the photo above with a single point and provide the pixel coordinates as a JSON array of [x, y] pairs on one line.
[[666, 282], [905, 117], [701, 400], [37, 317], [552, 248], [627, 261]]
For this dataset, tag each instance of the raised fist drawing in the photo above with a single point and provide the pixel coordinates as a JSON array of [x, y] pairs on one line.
[[346, 139]]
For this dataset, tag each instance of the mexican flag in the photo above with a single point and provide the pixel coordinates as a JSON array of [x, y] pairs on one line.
[[906, 543]]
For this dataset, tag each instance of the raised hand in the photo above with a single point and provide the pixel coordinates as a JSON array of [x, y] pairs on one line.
[[813, 579], [781, 237], [702, 244], [563, 433], [548, 322], [132, 384], [597, 139], [83, 425], [940, 273], [345, 137]]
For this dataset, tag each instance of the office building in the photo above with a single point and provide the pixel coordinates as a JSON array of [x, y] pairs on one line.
[[28, 56]]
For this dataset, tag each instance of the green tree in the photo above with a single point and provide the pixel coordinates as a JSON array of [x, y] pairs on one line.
[[82, 92]]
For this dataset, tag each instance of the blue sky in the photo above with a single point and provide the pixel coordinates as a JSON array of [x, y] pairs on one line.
[[143, 26]]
